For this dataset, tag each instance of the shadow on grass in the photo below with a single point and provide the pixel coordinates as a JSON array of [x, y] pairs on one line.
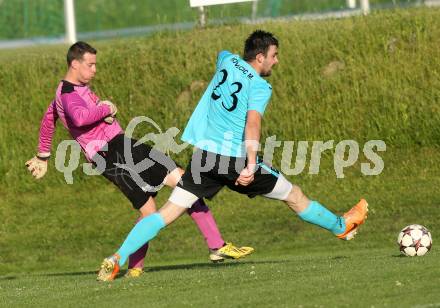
[[210, 265], [69, 274], [173, 267], [340, 257], [8, 277], [399, 256]]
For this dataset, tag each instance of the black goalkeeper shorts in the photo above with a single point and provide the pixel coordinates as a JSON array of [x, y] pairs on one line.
[[138, 182]]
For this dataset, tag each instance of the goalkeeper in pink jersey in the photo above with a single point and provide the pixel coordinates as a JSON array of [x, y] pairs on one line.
[[92, 123]]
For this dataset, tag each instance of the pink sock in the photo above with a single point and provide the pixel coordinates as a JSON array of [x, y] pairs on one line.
[[136, 260], [202, 216]]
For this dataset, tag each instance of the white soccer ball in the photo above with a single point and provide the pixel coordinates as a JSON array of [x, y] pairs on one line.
[[414, 240]]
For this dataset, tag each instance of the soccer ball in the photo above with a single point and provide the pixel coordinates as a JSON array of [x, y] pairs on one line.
[[414, 240]]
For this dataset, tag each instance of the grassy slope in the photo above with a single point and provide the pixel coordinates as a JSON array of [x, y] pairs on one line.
[[49, 226], [388, 88], [70, 228]]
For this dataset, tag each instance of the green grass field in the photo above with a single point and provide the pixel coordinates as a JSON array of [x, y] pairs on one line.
[[360, 277], [53, 236], [51, 255]]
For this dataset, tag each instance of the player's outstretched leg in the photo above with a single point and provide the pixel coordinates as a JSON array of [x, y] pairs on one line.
[[145, 230], [136, 260], [344, 227], [218, 249]]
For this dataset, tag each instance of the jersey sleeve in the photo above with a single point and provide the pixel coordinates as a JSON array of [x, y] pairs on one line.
[[259, 97], [47, 128], [81, 113], [221, 56]]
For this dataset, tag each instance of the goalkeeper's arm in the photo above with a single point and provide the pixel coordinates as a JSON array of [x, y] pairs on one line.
[[38, 164]]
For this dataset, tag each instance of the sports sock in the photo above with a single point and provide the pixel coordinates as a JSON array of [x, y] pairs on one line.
[[202, 216], [317, 214], [136, 259], [144, 231], [204, 220]]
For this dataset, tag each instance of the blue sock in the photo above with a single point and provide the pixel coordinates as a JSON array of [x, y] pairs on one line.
[[144, 231], [317, 214]]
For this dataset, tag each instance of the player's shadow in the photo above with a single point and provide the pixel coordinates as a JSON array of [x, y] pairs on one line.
[[70, 274], [174, 267], [209, 265]]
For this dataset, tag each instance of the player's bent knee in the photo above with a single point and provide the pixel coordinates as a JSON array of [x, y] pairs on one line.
[[170, 212], [281, 190], [297, 200], [148, 208]]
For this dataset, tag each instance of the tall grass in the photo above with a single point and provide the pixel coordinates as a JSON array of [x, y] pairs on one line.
[[362, 78]]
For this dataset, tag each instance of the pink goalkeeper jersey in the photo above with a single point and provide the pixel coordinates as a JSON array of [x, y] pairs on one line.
[[77, 108]]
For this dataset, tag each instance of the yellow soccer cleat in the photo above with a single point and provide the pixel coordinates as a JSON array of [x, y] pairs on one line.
[[134, 272], [354, 218], [229, 251], [109, 268], [246, 251]]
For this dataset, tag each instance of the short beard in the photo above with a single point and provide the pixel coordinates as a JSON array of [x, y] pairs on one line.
[[266, 74]]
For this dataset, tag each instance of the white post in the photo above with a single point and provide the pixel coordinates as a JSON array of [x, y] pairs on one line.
[[365, 7], [69, 19], [351, 4], [202, 16], [254, 9]]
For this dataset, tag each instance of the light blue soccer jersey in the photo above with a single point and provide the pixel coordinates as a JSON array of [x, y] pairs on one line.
[[217, 124]]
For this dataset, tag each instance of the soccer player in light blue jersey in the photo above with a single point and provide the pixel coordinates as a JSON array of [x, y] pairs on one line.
[[225, 129]]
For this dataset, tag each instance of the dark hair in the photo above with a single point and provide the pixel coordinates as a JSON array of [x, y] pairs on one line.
[[258, 42], [77, 51]]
